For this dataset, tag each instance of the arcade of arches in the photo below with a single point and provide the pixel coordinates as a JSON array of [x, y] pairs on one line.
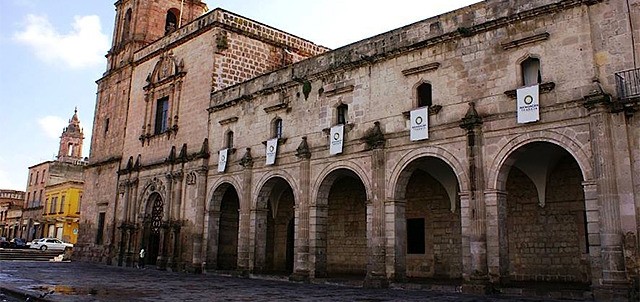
[[426, 231]]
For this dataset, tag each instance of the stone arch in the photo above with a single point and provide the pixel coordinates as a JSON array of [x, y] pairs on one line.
[[154, 185], [340, 222], [543, 197], [322, 184], [430, 246], [222, 225], [217, 190], [265, 183], [399, 175], [273, 235], [498, 170]]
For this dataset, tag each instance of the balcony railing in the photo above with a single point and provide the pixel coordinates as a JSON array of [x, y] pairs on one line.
[[628, 85]]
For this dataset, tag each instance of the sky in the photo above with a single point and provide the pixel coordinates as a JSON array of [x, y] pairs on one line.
[[53, 51]]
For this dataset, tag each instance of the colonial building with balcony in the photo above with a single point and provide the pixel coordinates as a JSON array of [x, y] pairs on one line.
[[491, 147]]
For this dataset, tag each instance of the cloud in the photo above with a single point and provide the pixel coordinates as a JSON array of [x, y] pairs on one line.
[[84, 46], [52, 126]]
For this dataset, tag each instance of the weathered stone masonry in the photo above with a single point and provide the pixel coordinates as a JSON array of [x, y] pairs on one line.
[[484, 200]]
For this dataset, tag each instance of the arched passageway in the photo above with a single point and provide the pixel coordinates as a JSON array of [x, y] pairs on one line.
[[275, 243], [341, 220], [224, 217], [545, 216], [433, 237]]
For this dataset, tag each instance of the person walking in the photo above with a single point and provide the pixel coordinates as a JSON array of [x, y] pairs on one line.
[[141, 258]]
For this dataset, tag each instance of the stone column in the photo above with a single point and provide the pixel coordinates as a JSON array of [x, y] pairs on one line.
[[258, 239], [302, 261], [199, 180], [244, 245], [613, 265], [212, 241], [473, 208], [396, 235], [496, 232], [318, 239], [376, 273], [174, 218], [592, 208]]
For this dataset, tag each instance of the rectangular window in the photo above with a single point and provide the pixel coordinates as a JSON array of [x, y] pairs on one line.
[[162, 112], [62, 204], [39, 199], [43, 175], [415, 236], [54, 204], [342, 114], [100, 233]]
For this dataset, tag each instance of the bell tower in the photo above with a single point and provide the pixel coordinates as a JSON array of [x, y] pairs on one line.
[[70, 149], [140, 22]]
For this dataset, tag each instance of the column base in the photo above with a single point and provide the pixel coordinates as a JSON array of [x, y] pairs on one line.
[[194, 268], [478, 287], [300, 276], [374, 281], [619, 291]]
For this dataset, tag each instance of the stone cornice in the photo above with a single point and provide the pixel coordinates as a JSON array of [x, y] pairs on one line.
[[362, 53]]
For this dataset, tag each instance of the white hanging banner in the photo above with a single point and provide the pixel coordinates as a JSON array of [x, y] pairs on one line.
[[272, 148], [528, 106], [419, 124], [222, 160], [336, 139]]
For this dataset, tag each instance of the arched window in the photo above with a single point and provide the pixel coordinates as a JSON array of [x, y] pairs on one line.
[[229, 139], [171, 23], [126, 25], [277, 128], [342, 113], [424, 95], [531, 71]]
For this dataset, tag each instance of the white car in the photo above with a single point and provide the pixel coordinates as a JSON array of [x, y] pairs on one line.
[[44, 244]]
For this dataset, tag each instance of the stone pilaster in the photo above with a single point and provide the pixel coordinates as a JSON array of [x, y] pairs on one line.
[[614, 279], [376, 270], [198, 181], [244, 240], [396, 234], [212, 240], [473, 208], [496, 234], [302, 264], [317, 239]]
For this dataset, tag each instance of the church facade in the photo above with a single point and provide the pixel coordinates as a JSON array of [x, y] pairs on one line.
[[494, 144]]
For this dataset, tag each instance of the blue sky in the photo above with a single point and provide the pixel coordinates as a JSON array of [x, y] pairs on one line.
[[52, 52]]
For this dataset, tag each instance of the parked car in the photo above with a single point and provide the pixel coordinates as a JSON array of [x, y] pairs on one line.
[[44, 244], [4, 242], [17, 243]]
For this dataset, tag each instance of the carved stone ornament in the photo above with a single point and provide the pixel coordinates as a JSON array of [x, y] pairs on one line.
[[374, 137], [303, 149], [191, 178], [247, 160]]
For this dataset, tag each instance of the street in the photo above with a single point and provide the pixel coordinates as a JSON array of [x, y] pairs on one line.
[[77, 281]]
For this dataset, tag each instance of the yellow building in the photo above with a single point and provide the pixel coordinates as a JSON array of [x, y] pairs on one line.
[[61, 211]]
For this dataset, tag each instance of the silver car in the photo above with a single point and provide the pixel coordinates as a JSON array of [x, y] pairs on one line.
[[44, 244]]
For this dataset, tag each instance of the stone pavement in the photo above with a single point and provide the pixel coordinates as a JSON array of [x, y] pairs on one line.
[[77, 281]]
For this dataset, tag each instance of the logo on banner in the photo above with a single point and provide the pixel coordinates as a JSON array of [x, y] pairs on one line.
[[528, 104], [419, 124], [222, 160], [335, 146], [272, 148]]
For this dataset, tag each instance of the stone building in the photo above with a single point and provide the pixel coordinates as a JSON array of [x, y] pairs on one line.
[[10, 212], [67, 168], [494, 144]]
